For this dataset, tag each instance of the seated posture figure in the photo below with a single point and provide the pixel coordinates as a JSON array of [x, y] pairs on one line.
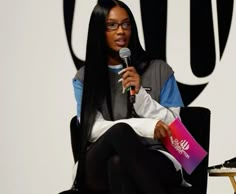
[[113, 130]]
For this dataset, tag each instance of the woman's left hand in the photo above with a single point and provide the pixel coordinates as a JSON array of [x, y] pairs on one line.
[[161, 130], [130, 77]]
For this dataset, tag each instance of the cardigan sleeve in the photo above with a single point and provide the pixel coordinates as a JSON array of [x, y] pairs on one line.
[[164, 100], [142, 126]]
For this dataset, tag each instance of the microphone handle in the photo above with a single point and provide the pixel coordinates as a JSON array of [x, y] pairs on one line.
[[131, 89]]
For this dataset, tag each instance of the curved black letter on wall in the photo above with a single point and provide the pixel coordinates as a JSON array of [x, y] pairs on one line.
[[154, 17], [202, 39], [225, 12], [68, 8]]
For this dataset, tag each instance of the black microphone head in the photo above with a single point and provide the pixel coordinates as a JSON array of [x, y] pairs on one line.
[[124, 53]]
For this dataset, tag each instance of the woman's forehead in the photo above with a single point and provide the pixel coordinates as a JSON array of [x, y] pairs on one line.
[[118, 13]]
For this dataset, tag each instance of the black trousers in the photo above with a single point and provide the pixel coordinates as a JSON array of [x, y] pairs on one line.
[[120, 163]]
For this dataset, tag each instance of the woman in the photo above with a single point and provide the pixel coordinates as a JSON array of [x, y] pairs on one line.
[[121, 150]]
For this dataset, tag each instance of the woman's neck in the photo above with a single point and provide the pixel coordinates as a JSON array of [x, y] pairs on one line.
[[114, 58], [114, 61]]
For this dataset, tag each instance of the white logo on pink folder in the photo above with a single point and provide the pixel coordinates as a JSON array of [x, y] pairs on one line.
[[184, 147]]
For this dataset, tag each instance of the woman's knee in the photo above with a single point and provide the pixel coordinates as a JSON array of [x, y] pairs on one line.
[[114, 163], [121, 129]]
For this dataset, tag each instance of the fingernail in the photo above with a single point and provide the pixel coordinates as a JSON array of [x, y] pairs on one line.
[[120, 72], [120, 80], [171, 140], [123, 90]]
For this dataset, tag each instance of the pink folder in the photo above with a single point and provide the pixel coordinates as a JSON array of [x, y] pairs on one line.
[[183, 146]]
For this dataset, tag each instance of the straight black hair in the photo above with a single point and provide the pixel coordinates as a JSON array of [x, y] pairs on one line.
[[96, 90]]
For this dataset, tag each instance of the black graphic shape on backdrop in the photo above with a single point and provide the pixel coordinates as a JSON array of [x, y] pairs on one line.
[[154, 17], [202, 41], [225, 12], [154, 20], [68, 8], [190, 92]]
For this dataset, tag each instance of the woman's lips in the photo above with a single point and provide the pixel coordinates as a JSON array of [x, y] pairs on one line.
[[120, 42]]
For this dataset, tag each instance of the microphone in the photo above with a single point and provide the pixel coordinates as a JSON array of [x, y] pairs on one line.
[[125, 54]]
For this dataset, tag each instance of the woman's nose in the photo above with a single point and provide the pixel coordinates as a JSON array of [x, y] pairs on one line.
[[120, 29]]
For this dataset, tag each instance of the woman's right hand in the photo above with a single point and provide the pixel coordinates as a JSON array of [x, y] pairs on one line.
[[130, 77], [161, 130]]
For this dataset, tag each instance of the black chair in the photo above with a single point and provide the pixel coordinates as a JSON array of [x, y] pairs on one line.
[[197, 121]]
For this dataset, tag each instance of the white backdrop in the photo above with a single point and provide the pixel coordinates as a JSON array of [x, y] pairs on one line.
[[37, 100]]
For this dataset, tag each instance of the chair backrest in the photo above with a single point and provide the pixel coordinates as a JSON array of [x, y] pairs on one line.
[[74, 134], [197, 121]]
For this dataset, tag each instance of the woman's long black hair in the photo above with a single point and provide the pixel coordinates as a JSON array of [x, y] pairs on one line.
[[96, 78]]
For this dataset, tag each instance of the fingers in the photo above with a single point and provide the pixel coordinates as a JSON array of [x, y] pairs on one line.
[[161, 130], [130, 78]]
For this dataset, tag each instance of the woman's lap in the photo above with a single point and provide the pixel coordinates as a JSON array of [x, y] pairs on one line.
[[136, 161]]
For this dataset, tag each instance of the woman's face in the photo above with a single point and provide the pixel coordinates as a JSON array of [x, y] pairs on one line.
[[118, 29]]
